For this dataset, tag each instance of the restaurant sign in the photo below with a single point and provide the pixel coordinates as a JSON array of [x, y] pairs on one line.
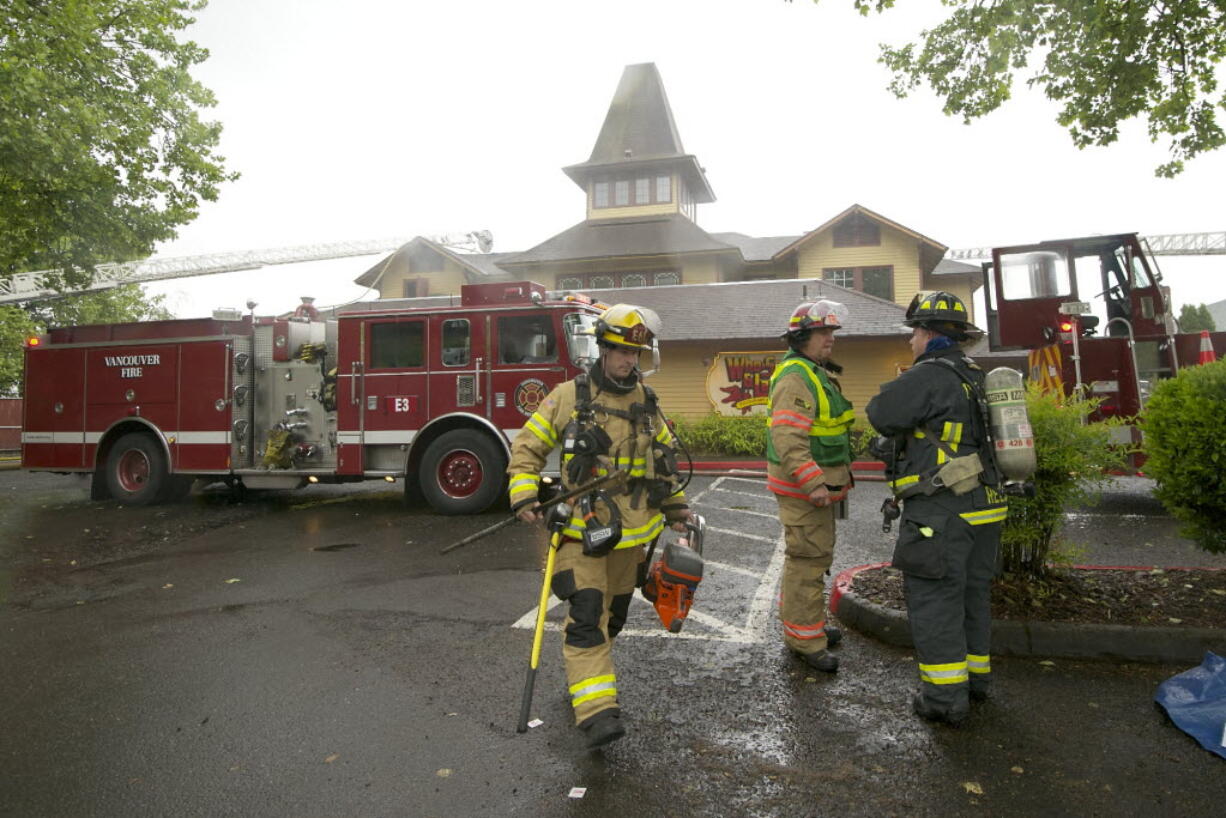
[[738, 383]]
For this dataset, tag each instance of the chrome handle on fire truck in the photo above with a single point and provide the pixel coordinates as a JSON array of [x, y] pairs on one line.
[[354, 400], [477, 381]]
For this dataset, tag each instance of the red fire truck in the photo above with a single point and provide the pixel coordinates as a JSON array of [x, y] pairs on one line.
[[429, 394], [1092, 312]]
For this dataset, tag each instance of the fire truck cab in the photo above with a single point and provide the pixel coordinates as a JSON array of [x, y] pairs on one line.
[[430, 394], [1093, 314]]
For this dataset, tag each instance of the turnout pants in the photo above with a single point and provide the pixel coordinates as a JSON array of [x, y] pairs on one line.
[[948, 565], [808, 533], [598, 590]]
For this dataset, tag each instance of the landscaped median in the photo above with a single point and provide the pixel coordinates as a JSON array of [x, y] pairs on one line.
[[1149, 643]]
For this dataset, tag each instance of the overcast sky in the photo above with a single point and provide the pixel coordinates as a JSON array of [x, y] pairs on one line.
[[375, 118]]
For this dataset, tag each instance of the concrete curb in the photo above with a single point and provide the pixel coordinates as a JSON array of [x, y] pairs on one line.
[[1160, 644]]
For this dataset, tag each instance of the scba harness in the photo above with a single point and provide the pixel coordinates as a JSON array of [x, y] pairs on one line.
[[586, 454], [959, 473]]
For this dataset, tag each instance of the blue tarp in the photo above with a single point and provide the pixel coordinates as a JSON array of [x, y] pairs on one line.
[[1196, 701]]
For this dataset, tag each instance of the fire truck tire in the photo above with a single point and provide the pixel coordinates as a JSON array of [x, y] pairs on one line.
[[463, 472], [136, 470]]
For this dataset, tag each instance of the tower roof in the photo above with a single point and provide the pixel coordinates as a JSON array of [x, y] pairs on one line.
[[639, 133]]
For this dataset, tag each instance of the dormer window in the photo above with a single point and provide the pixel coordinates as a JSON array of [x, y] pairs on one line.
[[632, 190], [857, 230]]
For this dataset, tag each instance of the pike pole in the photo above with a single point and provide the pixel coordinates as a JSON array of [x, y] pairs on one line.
[[604, 481]]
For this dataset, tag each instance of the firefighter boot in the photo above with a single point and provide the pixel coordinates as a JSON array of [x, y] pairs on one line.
[[823, 660], [605, 728], [930, 712]]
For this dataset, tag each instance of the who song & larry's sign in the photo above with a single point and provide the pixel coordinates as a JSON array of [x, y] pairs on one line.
[[738, 383]]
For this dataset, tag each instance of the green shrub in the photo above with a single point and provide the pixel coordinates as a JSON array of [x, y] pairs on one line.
[[1074, 458], [1186, 451], [745, 436], [715, 434]]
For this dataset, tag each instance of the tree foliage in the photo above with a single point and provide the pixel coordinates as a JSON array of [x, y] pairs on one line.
[[1195, 318], [126, 303], [102, 149], [1074, 458], [1105, 62], [1187, 451]]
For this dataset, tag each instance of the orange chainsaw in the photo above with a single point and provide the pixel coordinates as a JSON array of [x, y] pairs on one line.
[[673, 578]]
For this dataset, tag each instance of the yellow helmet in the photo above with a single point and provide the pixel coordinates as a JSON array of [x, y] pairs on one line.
[[626, 325]]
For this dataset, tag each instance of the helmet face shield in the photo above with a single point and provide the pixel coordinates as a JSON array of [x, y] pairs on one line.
[[822, 314], [626, 325]]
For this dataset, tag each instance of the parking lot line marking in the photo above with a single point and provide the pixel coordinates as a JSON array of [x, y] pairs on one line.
[[756, 495], [755, 628], [742, 534]]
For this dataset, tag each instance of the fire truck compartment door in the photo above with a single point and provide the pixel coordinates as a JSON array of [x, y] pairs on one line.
[[53, 429], [392, 394]]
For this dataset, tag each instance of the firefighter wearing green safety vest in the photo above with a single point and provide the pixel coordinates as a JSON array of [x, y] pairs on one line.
[[939, 463], [604, 419], [808, 454]]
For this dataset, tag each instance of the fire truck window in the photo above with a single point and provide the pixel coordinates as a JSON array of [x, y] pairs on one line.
[[1034, 275], [397, 345], [526, 339], [456, 342]]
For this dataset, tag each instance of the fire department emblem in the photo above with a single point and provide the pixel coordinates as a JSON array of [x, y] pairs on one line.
[[529, 394]]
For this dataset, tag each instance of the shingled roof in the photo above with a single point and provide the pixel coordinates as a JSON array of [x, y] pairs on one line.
[[642, 236], [754, 310], [755, 248]]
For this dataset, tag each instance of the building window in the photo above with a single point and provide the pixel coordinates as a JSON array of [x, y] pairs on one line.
[[614, 281], [621, 192], [878, 281], [664, 192], [415, 288], [642, 191], [857, 230], [843, 278], [456, 342], [397, 345], [638, 190]]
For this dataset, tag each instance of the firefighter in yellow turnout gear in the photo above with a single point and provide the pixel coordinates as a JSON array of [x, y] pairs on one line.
[[605, 419], [808, 457]]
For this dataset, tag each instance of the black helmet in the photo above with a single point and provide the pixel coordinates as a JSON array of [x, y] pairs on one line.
[[941, 312]]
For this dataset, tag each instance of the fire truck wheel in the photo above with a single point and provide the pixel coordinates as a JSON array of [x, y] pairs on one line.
[[136, 470], [462, 472]]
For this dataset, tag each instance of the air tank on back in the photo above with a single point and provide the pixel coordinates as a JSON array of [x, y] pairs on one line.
[[1012, 434]]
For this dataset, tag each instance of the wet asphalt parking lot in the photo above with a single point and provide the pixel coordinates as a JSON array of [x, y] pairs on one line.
[[310, 653]]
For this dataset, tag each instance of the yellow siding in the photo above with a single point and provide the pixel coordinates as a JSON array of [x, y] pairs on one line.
[[628, 212], [681, 381], [700, 269], [446, 281], [896, 249]]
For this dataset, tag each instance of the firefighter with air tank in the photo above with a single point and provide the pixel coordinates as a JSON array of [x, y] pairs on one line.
[[604, 419], [941, 463], [808, 457]]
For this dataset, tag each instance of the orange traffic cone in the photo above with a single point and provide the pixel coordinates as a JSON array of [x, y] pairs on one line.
[[1207, 355]]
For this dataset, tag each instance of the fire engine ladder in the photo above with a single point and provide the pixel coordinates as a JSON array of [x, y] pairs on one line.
[[30, 286]]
